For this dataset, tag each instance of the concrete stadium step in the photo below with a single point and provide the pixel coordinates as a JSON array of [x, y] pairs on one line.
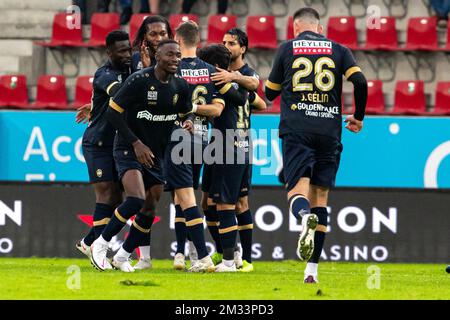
[[9, 64], [26, 24], [50, 5], [16, 47]]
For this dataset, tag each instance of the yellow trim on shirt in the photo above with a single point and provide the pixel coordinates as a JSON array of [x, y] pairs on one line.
[[110, 86], [115, 106], [273, 86], [225, 88], [351, 71]]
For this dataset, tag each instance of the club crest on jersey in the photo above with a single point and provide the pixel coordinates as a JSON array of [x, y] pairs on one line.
[[310, 47], [119, 78], [195, 76], [152, 95]]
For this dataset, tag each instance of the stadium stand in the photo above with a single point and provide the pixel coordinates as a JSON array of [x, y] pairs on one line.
[[176, 19], [407, 31], [442, 105], [409, 98], [83, 91], [375, 98], [51, 93], [13, 91]]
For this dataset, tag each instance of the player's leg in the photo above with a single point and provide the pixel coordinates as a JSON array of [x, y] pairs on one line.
[[298, 161], [245, 227], [319, 199], [228, 234], [140, 231], [179, 260], [133, 184], [194, 224]]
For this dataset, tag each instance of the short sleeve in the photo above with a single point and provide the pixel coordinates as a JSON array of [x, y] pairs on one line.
[[184, 101], [276, 76], [105, 81], [127, 95], [349, 65]]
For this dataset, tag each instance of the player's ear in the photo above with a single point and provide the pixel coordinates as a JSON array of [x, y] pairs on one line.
[[320, 29]]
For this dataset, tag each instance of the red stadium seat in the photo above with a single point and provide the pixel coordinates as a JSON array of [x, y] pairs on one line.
[[375, 98], [261, 32], [343, 31], [385, 37], [409, 98], [51, 92], [135, 23], [83, 91], [13, 91], [422, 34], [176, 19], [101, 25], [65, 31], [442, 105], [218, 25], [447, 48], [290, 29]]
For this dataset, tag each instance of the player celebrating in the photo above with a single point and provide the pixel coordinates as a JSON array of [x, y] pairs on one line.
[[307, 71], [236, 41], [99, 135], [183, 176], [151, 101]]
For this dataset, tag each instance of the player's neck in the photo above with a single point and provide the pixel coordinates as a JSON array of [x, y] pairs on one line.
[[161, 75], [188, 52], [237, 64]]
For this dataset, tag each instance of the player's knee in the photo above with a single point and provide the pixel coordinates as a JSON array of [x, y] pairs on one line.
[[242, 205]]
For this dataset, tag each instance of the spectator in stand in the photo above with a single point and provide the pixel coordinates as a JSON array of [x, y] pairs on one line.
[[127, 8], [222, 6], [442, 8]]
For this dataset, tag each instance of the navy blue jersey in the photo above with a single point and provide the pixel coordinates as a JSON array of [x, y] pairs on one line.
[[151, 108], [99, 131], [203, 91], [136, 63], [308, 71], [245, 70]]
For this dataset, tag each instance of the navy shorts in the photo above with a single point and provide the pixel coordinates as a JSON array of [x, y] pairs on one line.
[[310, 155], [206, 177], [229, 182], [183, 174], [100, 163], [126, 160]]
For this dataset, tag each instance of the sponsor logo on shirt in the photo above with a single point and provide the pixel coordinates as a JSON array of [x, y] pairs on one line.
[[308, 47], [195, 76], [152, 95], [156, 117]]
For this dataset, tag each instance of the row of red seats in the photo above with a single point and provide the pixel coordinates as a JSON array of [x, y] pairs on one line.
[[421, 33], [409, 99], [51, 94]]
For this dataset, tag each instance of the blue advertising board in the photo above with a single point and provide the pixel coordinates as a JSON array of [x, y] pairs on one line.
[[403, 152]]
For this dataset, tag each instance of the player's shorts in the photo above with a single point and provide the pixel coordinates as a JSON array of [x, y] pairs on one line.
[[185, 174], [126, 160], [100, 163], [206, 177], [310, 155], [229, 182]]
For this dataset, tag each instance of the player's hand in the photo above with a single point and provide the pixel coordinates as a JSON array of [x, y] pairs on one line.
[[353, 125], [83, 114], [143, 153], [223, 76], [189, 126], [145, 55]]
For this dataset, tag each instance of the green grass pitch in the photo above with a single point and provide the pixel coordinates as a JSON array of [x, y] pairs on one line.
[[38, 278]]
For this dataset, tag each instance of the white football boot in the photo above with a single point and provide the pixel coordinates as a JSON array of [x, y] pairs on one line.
[[203, 265], [221, 267], [305, 245], [83, 248], [143, 264], [122, 265], [179, 262], [99, 250]]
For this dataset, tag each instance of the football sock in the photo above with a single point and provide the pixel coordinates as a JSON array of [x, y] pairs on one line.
[[319, 235], [245, 227], [144, 246], [311, 268], [228, 232], [90, 237], [194, 224], [122, 255], [180, 229], [138, 232], [102, 216], [299, 206], [125, 211], [212, 221]]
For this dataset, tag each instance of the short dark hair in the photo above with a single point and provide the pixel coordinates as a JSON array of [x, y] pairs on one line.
[[140, 34], [189, 32], [166, 41], [215, 54], [241, 37], [307, 12], [114, 36]]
